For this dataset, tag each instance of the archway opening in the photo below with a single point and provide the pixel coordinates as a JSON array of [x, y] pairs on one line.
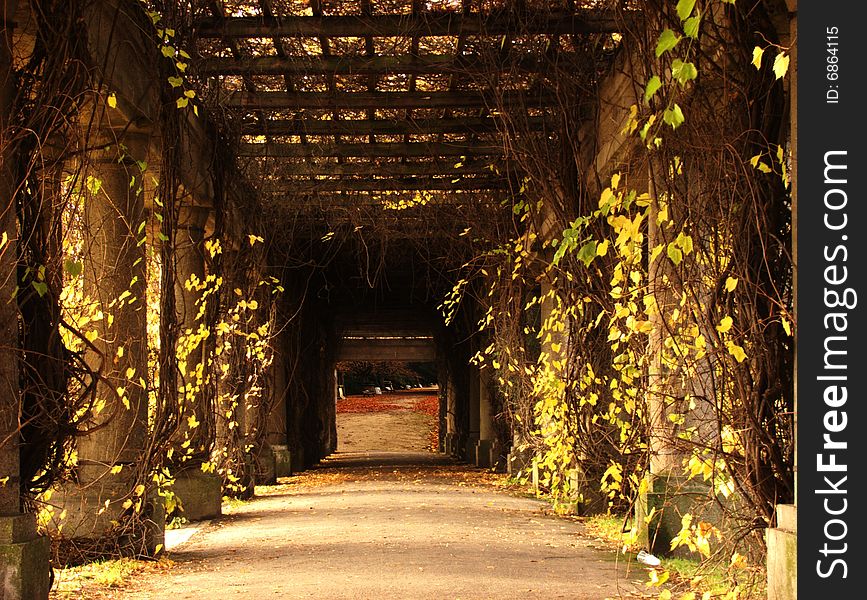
[[387, 406]]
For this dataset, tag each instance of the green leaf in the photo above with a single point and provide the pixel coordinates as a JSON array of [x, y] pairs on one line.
[[652, 86], [587, 252], [781, 64], [673, 116], [684, 8], [73, 267], [683, 72], [168, 51], [667, 40], [175, 81], [644, 129], [182, 102], [691, 25], [41, 287], [757, 57]]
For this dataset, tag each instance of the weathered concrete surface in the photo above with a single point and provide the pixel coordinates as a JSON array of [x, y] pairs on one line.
[[391, 525], [783, 555], [200, 495]]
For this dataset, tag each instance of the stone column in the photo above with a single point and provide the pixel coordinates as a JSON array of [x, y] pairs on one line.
[[670, 393], [199, 491], [110, 456], [485, 447], [277, 437], [782, 540], [474, 402], [24, 569]]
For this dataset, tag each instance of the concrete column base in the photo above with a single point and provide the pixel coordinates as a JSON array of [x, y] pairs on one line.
[[266, 467], [282, 460], [484, 454], [24, 559], [589, 500], [296, 460], [673, 496], [782, 565], [200, 495], [449, 443], [469, 447], [518, 461], [87, 514]]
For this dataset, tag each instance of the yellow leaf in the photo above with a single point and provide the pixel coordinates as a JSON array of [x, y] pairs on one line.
[[757, 57], [139, 489], [786, 325], [725, 324], [127, 503], [739, 561], [116, 469], [731, 284], [112, 100], [736, 351]]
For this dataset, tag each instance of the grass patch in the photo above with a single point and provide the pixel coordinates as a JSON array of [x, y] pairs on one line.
[[608, 527], [232, 504], [715, 578], [102, 576]]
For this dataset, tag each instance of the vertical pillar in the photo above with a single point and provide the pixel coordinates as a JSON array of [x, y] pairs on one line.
[[782, 540], [24, 569], [474, 403], [110, 457], [485, 447], [670, 392], [199, 491], [277, 437], [231, 417]]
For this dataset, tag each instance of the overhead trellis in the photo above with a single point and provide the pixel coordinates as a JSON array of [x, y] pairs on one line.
[[331, 101]]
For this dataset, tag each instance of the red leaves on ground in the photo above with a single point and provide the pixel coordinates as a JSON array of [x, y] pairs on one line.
[[429, 405], [365, 404], [422, 403]]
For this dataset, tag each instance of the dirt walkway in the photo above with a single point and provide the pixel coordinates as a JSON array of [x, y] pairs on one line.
[[380, 525]]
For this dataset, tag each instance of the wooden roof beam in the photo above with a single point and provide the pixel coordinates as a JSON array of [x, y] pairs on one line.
[[435, 167], [467, 125], [421, 24], [366, 65], [391, 184], [394, 150]]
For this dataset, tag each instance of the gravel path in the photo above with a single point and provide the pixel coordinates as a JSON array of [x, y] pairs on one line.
[[374, 524], [390, 526]]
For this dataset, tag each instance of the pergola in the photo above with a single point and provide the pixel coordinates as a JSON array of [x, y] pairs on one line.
[[338, 103]]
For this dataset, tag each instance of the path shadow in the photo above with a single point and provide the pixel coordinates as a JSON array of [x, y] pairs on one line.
[[383, 459]]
